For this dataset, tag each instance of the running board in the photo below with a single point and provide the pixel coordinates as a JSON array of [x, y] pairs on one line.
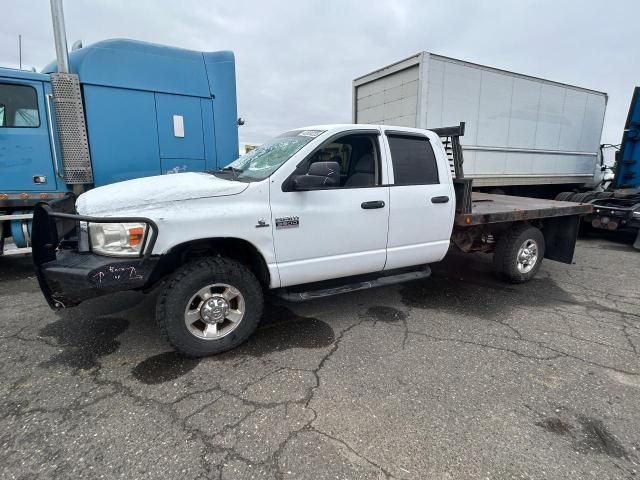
[[16, 251], [383, 281]]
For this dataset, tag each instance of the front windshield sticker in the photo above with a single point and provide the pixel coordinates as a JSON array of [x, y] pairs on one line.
[[310, 133]]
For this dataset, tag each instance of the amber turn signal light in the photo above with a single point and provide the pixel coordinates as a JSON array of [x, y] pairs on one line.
[[135, 235]]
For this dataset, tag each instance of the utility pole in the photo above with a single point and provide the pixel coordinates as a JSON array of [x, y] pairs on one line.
[[20, 50]]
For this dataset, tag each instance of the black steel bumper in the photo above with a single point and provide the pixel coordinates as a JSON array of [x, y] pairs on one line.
[[68, 276]]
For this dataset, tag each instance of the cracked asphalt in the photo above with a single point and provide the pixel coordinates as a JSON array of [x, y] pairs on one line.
[[456, 376]]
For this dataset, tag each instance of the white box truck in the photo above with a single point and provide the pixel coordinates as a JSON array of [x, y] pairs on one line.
[[524, 135]]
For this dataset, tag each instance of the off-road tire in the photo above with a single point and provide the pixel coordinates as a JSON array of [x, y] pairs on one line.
[[505, 256], [185, 282]]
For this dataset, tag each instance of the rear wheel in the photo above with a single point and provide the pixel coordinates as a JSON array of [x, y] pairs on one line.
[[210, 306], [519, 253]]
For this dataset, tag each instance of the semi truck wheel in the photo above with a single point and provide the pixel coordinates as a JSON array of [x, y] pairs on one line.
[[583, 197], [600, 195], [519, 253], [564, 196], [210, 306]]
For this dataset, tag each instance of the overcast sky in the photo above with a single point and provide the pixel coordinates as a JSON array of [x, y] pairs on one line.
[[295, 60]]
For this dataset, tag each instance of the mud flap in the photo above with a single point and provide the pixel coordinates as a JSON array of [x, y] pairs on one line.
[[560, 235], [636, 244]]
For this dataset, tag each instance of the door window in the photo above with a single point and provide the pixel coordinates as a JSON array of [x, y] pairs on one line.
[[357, 155], [18, 106], [414, 162]]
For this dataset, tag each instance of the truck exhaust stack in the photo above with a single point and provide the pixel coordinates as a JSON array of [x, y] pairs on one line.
[[60, 36], [69, 110]]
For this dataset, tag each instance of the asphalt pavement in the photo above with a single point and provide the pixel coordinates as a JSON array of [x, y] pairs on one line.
[[455, 376]]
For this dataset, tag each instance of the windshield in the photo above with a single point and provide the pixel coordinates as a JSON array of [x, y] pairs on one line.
[[268, 157]]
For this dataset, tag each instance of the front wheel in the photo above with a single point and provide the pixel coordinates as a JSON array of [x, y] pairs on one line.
[[210, 306], [519, 253]]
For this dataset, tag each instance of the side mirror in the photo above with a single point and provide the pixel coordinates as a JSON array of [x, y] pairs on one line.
[[320, 175]]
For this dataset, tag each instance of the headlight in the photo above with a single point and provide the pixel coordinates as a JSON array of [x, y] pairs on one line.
[[118, 239]]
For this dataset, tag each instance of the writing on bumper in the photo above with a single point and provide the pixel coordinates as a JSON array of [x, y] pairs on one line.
[[74, 277]]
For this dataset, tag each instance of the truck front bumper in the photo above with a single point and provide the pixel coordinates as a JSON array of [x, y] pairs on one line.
[[68, 276], [75, 277]]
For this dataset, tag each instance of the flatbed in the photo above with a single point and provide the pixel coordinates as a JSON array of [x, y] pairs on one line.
[[489, 208]]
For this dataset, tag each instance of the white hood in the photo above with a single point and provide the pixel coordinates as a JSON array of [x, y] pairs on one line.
[[149, 192]]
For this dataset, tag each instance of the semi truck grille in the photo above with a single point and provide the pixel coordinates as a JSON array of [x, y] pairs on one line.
[[72, 130]]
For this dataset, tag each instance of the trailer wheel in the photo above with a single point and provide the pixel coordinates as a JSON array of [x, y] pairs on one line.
[[519, 253], [210, 306]]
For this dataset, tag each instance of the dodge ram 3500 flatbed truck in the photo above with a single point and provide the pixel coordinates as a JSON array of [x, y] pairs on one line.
[[313, 212]]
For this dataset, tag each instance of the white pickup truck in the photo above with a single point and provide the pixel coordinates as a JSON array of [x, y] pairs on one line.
[[313, 212]]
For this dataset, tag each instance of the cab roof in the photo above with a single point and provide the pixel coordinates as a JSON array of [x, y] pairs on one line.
[[337, 127], [139, 65], [22, 74]]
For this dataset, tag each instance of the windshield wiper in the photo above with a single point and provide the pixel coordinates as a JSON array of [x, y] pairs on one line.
[[234, 171]]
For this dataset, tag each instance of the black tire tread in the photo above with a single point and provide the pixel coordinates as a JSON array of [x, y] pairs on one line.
[[583, 197], [219, 265], [600, 195], [564, 196], [507, 249]]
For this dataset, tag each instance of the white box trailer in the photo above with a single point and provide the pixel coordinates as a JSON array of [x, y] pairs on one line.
[[520, 130]]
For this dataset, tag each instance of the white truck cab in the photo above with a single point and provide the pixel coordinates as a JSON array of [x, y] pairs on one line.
[[316, 205], [367, 214]]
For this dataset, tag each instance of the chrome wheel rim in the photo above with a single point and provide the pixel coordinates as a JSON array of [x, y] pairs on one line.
[[214, 311], [527, 256]]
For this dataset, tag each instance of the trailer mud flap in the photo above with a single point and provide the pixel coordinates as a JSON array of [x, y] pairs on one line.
[[560, 235]]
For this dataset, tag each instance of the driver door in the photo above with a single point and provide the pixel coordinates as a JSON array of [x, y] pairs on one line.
[[25, 149], [336, 231]]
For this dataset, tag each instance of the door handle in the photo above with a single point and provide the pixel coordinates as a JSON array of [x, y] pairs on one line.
[[441, 199], [52, 139], [372, 205]]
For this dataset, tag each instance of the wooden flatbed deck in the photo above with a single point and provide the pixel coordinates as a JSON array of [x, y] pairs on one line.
[[489, 208]]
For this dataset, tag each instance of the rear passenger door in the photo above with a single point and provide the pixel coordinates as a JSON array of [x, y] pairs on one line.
[[421, 201]]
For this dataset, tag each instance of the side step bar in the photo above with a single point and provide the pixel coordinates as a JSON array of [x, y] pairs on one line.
[[16, 251], [381, 281]]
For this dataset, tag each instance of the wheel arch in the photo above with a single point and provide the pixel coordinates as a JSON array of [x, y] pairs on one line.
[[231, 247]]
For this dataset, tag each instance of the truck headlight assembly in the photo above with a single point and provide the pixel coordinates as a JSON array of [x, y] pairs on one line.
[[118, 239]]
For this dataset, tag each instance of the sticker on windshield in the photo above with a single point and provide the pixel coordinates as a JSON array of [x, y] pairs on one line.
[[310, 133]]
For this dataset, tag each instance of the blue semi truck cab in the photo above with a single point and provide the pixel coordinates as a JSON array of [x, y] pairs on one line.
[[617, 207], [126, 109]]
